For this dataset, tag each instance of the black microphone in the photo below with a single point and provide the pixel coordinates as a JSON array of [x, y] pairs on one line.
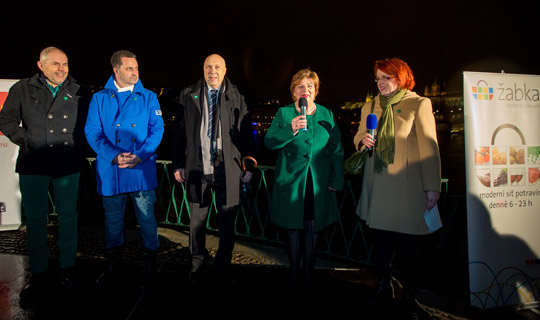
[[302, 102], [371, 123]]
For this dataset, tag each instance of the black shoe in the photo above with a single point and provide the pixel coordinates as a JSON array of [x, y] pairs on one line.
[[222, 278], [68, 279], [149, 270], [414, 309], [308, 281], [384, 294], [292, 286], [33, 291], [199, 276], [113, 259]]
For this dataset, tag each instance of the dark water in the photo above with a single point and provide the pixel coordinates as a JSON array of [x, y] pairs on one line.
[[452, 150]]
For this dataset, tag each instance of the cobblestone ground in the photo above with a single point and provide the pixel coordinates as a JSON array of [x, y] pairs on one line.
[[92, 243], [175, 252]]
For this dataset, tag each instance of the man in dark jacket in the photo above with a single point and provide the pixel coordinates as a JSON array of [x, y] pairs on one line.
[[212, 132], [44, 115]]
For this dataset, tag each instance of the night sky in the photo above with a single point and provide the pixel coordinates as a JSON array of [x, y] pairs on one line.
[[266, 42]]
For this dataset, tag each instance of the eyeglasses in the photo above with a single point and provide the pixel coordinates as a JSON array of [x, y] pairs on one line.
[[384, 78]]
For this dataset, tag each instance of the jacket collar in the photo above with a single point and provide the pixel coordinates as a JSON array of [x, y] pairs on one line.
[[198, 89], [139, 88], [37, 82]]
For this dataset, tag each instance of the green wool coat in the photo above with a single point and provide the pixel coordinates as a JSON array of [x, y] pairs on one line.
[[319, 149]]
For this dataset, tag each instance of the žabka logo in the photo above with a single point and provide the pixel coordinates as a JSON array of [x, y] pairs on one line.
[[482, 91], [504, 92]]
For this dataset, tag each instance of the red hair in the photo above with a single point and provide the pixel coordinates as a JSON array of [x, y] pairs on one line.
[[399, 68]]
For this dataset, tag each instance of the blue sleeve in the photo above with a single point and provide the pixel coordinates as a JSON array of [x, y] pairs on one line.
[[95, 135], [155, 130]]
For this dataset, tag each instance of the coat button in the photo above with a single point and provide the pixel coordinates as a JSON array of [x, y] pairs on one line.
[[117, 124], [133, 125], [64, 130], [51, 130], [133, 140], [118, 140], [66, 143], [50, 116], [66, 116]]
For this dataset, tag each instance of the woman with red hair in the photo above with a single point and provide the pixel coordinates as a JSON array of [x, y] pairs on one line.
[[402, 178]]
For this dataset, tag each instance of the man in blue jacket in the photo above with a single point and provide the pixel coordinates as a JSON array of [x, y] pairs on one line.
[[124, 127]]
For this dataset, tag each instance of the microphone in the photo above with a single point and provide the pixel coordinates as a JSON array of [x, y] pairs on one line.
[[302, 102], [371, 123]]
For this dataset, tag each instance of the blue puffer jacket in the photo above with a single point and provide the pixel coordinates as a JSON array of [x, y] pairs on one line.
[[134, 126]]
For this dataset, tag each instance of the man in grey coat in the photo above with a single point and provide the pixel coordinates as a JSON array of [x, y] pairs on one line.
[[212, 133]]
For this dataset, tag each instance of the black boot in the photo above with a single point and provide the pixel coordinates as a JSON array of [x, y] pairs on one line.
[[113, 259], [384, 294], [415, 310], [293, 251], [68, 278], [409, 295], [34, 291], [149, 270], [311, 238]]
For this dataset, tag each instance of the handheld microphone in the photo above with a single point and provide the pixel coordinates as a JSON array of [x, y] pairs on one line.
[[371, 123], [302, 102]]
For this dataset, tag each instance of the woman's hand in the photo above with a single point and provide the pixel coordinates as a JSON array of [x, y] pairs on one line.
[[431, 199], [368, 140], [298, 123]]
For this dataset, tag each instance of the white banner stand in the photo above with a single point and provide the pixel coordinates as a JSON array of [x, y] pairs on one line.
[[10, 196]]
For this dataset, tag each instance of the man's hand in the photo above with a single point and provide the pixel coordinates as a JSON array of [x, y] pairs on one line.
[[180, 175], [126, 160], [246, 176]]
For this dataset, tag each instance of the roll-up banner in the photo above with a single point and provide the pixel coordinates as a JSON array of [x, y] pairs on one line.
[[10, 196], [502, 154]]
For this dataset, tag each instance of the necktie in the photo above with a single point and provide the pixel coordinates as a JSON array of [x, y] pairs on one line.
[[212, 119]]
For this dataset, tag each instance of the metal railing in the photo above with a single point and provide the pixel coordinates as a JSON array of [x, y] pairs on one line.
[[349, 238]]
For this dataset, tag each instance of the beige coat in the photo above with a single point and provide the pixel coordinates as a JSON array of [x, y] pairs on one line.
[[395, 199]]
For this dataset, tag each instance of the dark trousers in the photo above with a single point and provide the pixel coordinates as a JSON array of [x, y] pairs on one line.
[[197, 228], [35, 199], [390, 246]]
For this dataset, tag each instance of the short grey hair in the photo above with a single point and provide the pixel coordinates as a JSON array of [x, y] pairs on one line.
[[44, 54], [116, 59]]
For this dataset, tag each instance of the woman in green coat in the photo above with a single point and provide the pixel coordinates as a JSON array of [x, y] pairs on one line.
[[309, 170]]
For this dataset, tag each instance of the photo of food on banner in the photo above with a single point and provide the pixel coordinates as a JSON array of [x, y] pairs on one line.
[[500, 166]]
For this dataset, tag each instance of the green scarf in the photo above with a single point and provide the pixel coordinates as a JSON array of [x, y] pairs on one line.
[[384, 154]]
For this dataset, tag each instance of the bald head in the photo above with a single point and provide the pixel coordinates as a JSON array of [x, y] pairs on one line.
[[214, 70]]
